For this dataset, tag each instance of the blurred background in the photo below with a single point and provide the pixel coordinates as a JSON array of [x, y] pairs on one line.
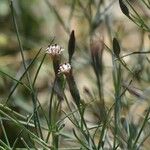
[[40, 21]]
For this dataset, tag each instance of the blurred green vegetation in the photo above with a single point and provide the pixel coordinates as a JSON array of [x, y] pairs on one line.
[[98, 21]]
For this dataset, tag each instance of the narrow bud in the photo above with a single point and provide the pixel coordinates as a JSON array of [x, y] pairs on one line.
[[97, 46], [116, 47], [71, 45], [124, 8]]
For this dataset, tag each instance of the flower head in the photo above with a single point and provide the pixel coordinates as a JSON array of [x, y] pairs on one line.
[[54, 50], [64, 68]]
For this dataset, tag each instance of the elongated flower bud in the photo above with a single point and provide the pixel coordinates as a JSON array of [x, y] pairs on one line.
[[71, 45], [97, 46]]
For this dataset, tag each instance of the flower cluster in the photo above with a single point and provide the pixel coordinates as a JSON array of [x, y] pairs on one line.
[[64, 68], [54, 50]]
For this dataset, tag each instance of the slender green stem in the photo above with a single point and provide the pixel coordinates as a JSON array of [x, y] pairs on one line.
[[147, 5], [24, 73], [4, 132], [142, 22], [15, 121], [58, 16], [86, 13], [25, 144], [18, 36], [5, 145], [50, 102], [133, 53], [3, 73], [34, 98], [117, 86], [80, 141], [2, 148], [140, 131], [50, 110], [38, 70], [18, 136], [19, 116]]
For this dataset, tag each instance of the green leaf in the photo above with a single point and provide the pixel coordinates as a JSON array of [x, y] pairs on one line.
[[124, 8], [116, 47]]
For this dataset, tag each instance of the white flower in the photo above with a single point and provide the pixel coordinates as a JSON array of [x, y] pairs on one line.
[[64, 68], [54, 50]]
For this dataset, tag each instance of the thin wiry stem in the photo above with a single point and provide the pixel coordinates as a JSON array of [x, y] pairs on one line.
[[25, 144], [4, 132], [140, 131], [134, 53], [24, 73], [58, 16], [34, 98], [15, 121]]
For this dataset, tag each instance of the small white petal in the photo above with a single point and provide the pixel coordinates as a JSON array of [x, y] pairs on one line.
[[64, 68], [54, 50]]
